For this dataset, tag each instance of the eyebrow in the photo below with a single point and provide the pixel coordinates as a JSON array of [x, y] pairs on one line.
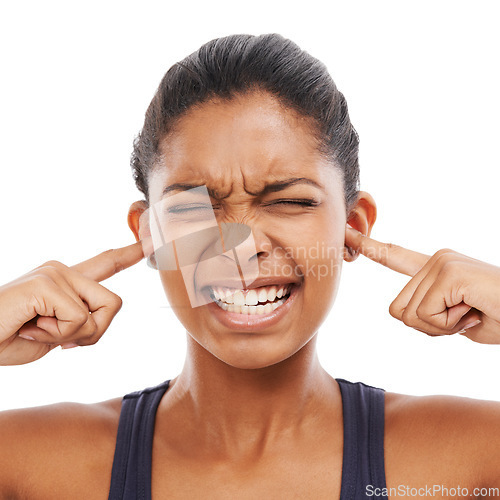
[[269, 188]]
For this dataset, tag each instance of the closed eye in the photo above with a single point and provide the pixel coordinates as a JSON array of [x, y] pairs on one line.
[[304, 202], [179, 209]]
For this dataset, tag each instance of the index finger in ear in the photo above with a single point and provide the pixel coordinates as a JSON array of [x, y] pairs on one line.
[[395, 257], [110, 262]]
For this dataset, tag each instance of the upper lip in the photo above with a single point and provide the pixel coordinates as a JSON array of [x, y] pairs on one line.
[[264, 281]]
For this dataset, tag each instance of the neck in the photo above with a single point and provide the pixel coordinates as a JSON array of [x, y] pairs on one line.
[[235, 411]]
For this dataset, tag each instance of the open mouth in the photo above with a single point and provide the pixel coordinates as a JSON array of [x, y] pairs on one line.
[[256, 301]]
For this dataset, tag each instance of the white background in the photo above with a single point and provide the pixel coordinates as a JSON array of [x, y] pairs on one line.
[[422, 82]]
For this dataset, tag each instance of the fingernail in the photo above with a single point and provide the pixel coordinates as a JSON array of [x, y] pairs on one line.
[[474, 323], [24, 336], [68, 345]]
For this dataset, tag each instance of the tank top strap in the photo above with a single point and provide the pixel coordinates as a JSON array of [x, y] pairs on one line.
[[131, 472], [363, 466]]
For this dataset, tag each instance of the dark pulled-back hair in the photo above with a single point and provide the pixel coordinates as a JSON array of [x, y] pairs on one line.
[[233, 65]]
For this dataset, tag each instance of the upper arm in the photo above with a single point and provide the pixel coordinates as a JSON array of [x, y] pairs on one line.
[[63, 444], [482, 426]]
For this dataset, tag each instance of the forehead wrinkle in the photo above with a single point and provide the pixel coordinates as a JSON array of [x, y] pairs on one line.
[[214, 192], [250, 170], [275, 177], [269, 187]]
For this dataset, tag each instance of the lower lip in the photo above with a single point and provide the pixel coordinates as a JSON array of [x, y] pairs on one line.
[[251, 322]]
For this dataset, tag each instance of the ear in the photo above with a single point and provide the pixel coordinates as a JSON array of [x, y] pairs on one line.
[[138, 222], [134, 214], [362, 217]]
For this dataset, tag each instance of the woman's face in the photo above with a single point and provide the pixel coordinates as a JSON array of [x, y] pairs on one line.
[[236, 149]]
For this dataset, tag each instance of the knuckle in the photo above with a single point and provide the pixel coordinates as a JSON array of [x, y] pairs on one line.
[[450, 266], [43, 280], [419, 311], [93, 326], [88, 329], [53, 264], [118, 302], [406, 318], [49, 271], [443, 251], [86, 342], [422, 313], [40, 287], [93, 340], [81, 317], [51, 268], [114, 301], [394, 310]]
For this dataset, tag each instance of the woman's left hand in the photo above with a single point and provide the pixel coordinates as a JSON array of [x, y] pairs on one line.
[[448, 292]]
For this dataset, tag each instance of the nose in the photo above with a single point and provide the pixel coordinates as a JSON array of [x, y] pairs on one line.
[[262, 242], [256, 244]]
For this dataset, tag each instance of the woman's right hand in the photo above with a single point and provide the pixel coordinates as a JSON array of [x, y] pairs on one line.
[[59, 305]]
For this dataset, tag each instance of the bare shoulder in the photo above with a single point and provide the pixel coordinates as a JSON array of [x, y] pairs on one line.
[[443, 440], [59, 450]]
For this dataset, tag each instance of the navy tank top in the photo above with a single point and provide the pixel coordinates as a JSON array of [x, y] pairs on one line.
[[363, 470]]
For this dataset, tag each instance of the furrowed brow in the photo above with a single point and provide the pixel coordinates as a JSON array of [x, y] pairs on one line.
[[283, 184], [182, 186], [272, 187]]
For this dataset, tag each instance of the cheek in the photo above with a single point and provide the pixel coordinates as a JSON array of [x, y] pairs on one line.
[[322, 271], [178, 298], [175, 291], [319, 257]]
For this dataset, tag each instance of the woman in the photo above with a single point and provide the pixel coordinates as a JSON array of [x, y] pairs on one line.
[[257, 126]]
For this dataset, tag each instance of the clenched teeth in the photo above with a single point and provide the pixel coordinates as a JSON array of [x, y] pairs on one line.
[[260, 309], [251, 297]]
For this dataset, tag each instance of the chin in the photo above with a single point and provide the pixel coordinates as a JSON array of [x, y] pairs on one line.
[[255, 353]]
